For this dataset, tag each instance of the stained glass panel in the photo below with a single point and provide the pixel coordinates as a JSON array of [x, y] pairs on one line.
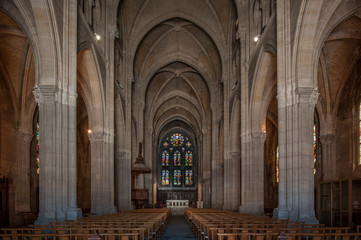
[[189, 177], [188, 158], [177, 178], [163, 177], [314, 149], [177, 139], [277, 166], [37, 149], [165, 158], [177, 158]]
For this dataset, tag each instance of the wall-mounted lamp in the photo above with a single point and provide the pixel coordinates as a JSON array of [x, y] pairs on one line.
[[97, 36]]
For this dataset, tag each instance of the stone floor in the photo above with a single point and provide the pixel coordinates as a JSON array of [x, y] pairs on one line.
[[178, 229]]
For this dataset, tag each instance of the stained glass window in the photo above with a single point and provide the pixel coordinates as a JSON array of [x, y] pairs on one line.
[[177, 160], [188, 158], [314, 149], [177, 178], [165, 158], [177, 140], [189, 177], [277, 166], [37, 149], [165, 177]]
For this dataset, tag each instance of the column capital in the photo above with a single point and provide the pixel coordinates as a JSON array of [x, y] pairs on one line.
[[96, 136], [45, 93], [108, 137], [307, 95], [26, 137], [286, 99], [245, 137], [113, 30], [259, 136], [327, 138], [73, 99]]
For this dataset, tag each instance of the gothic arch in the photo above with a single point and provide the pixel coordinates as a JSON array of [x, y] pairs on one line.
[[263, 89], [91, 88]]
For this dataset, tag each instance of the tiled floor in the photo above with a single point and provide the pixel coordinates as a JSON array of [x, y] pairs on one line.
[[178, 229]]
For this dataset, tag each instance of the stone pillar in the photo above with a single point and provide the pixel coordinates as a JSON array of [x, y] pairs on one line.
[[205, 167], [72, 211], [108, 174], [252, 173], [285, 100], [22, 180], [282, 211], [45, 97], [70, 107], [231, 181], [327, 156], [102, 201], [257, 172], [306, 105], [96, 153], [123, 181]]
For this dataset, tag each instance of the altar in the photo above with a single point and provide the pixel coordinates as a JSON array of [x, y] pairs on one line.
[[177, 206]]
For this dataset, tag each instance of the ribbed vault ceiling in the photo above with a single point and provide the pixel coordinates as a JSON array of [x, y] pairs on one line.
[[176, 64]]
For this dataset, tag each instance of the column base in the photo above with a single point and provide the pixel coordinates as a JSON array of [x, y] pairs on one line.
[[309, 220], [280, 212], [73, 213], [112, 210], [252, 209], [42, 220]]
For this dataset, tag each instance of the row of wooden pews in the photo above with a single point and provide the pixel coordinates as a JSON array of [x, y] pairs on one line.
[[142, 224], [213, 224]]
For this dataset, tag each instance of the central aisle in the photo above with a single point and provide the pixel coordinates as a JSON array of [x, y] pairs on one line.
[[178, 229]]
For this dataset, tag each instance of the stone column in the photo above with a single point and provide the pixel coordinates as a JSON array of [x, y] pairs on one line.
[[45, 97], [327, 156], [285, 100], [252, 173], [257, 172], [245, 173], [72, 211], [206, 167], [108, 174], [123, 180], [102, 185], [70, 107], [306, 105], [22, 194], [96, 146], [282, 211]]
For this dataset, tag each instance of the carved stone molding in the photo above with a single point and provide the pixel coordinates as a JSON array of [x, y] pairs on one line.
[[45, 93], [307, 95], [327, 138], [73, 99], [96, 136], [26, 137], [258, 136], [281, 98], [245, 138], [113, 30]]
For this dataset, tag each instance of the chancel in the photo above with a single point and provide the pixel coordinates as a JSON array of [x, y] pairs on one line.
[[134, 111]]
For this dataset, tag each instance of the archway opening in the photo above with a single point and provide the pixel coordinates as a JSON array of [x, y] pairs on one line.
[[83, 158], [271, 170]]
